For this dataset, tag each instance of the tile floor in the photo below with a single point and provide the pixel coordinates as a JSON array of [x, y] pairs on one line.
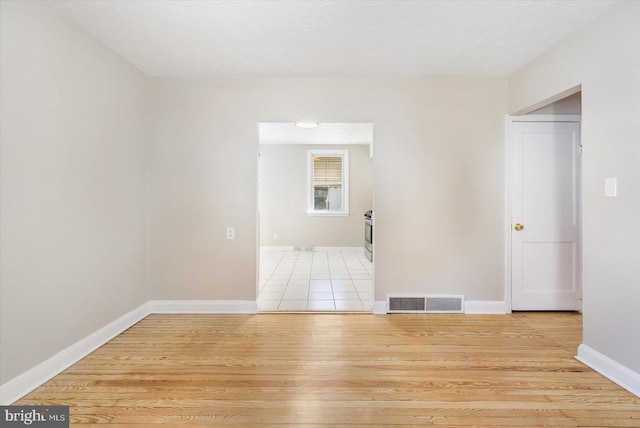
[[299, 281]]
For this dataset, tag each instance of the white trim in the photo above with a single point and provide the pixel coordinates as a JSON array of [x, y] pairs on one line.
[[380, 307], [21, 385], [344, 154], [31, 379], [557, 97], [547, 118], [486, 307], [204, 306], [507, 225], [611, 369]]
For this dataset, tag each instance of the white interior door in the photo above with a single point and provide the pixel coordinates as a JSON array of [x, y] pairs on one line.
[[545, 216]]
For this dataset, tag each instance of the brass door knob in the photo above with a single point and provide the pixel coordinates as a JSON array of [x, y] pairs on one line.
[[518, 227]]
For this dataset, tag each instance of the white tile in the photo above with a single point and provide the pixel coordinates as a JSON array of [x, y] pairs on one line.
[[268, 305], [349, 305], [276, 282], [345, 295], [280, 276], [285, 266], [320, 295], [298, 283], [365, 295], [364, 289], [320, 285], [273, 295], [293, 305], [320, 281], [342, 282], [344, 288], [321, 305], [294, 293], [367, 304], [274, 288]]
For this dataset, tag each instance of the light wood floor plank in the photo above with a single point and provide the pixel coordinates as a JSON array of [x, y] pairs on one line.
[[323, 370]]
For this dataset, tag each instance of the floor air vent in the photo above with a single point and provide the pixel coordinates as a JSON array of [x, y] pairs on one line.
[[426, 304]]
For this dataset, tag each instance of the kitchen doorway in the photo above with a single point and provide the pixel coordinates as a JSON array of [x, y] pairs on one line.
[[315, 185]]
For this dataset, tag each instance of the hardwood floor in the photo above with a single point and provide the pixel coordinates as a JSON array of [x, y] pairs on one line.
[[342, 370]]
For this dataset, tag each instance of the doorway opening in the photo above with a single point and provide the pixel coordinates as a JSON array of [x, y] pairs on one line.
[[545, 233], [315, 185]]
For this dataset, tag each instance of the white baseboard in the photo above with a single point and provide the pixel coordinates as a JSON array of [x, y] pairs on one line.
[[488, 307], [612, 370], [31, 379], [21, 385], [204, 306]]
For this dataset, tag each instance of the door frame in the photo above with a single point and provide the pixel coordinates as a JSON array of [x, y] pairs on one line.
[[510, 119], [374, 308]]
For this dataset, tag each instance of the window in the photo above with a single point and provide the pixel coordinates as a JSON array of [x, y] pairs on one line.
[[328, 187]]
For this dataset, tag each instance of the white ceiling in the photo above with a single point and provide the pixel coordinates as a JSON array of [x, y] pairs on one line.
[[397, 37], [324, 133]]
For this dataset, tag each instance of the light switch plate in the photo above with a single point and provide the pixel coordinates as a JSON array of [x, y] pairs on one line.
[[610, 187]]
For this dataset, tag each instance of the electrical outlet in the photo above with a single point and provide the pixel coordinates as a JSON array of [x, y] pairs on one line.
[[275, 236], [231, 232]]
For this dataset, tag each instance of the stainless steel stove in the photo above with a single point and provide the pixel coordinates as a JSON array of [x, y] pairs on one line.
[[368, 235]]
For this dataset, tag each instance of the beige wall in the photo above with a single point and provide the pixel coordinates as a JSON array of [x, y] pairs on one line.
[[439, 169], [604, 59], [73, 186], [74, 171], [283, 199]]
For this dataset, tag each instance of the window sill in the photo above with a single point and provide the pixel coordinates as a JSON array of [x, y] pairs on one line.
[[327, 213]]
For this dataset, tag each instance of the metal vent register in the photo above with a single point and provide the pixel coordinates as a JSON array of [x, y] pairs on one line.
[[425, 304]]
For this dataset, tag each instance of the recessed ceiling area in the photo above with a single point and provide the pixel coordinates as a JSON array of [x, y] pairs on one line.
[[324, 133], [408, 38]]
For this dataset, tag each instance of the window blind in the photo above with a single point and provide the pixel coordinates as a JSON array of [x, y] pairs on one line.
[[327, 170]]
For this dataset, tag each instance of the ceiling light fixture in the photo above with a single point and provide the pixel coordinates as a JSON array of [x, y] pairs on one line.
[[306, 125]]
